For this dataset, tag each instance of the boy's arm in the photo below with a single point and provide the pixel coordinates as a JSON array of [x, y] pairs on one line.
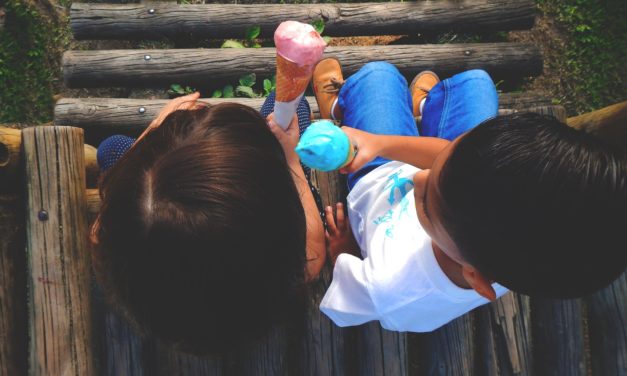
[[416, 151], [315, 246]]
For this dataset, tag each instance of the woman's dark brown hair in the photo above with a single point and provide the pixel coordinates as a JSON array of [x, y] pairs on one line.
[[202, 232]]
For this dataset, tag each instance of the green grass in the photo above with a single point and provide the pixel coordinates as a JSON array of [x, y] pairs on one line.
[[595, 61], [30, 49]]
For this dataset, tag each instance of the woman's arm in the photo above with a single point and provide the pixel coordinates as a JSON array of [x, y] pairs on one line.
[[315, 247], [416, 151]]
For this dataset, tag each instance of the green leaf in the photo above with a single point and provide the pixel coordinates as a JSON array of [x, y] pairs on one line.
[[327, 39], [248, 80], [227, 92], [217, 94], [318, 25], [230, 43], [267, 86], [245, 91], [253, 32], [273, 80], [256, 45], [177, 88]]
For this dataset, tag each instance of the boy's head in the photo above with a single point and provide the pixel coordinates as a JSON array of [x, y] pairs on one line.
[[528, 202], [201, 231]]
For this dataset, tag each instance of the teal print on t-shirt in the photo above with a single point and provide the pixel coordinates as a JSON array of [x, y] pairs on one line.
[[397, 184]]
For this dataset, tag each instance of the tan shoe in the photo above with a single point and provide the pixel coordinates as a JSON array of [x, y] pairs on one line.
[[420, 87], [326, 83]]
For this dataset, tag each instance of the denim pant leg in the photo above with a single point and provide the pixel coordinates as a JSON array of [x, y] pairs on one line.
[[304, 118], [376, 99], [458, 104]]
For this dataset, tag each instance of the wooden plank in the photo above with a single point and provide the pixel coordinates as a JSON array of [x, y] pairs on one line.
[[131, 116], [56, 233], [13, 326], [381, 352], [521, 101], [504, 335], [11, 156], [325, 345], [449, 350], [202, 67], [558, 337], [167, 20], [607, 318], [173, 362]]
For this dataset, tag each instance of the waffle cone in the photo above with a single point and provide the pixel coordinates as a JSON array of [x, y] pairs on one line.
[[291, 79]]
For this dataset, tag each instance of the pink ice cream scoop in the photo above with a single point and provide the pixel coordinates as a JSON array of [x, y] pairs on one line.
[[299, 42]]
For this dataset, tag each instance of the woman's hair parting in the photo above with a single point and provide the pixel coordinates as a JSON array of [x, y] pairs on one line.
[[538, 206], [202, 232]]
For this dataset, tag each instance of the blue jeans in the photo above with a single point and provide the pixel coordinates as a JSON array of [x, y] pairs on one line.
[[376, 99]]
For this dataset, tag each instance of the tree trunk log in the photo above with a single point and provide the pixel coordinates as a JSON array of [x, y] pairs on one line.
[[131, 116], [202, 67], [607, 318], [13, 326], [167, 20], [59, 265]]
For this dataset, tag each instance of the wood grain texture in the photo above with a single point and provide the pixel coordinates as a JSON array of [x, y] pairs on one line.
[[607, 319], [59, 265], [107, 21], [13, 325], [11, 156], [123, 115], [324, 350], [505, 336], [202, 67], [449, 350], [380, 351], [558, 337]]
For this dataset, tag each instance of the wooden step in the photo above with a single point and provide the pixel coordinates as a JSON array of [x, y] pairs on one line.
[[202, 67], [167, 20], [131, 115]]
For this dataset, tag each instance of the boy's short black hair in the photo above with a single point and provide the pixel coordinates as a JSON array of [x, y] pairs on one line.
[[537, 206]]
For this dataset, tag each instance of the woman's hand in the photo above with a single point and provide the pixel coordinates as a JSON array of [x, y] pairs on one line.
[[339, 236], [287, 138], [187, 102], [368, 146]]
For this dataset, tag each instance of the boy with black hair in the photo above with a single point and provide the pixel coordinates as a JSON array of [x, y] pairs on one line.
[[520, 201]]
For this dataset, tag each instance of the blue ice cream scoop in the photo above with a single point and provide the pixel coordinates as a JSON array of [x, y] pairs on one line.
[[324, 146]]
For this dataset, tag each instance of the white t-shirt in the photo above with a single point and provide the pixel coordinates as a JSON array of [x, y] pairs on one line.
[[398, 282]]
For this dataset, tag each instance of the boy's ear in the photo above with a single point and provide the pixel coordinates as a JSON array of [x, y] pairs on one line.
[[478, 282]]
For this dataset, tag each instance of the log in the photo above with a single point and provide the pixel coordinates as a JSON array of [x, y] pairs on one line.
[[448, 350], [609, 123], [167, 20], [13, 327], [59, 265], [202, 67], [10, 157], [607, 315], [505, 336], [131, 116], [558, 337]]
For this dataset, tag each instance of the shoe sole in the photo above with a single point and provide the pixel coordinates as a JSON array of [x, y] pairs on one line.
[[413, 82], [312, 80]]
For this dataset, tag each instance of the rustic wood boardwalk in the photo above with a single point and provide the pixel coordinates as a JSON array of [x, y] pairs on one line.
[[73, 332]]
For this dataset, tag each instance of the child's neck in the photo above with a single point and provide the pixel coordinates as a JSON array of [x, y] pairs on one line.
[[451, 268]]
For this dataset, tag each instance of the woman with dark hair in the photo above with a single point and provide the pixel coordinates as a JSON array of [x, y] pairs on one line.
[[208, 229]]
